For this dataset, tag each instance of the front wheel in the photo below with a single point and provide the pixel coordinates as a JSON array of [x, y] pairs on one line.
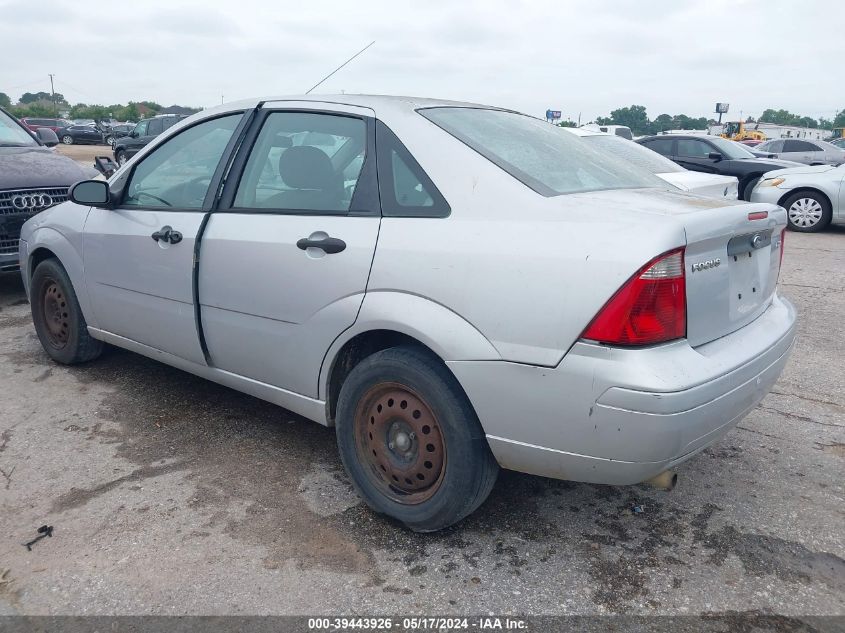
[[807, 212], [58, 320], [121, 157], [410, 440], [749, 187], [67, 139]]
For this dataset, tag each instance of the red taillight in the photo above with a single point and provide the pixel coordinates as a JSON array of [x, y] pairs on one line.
[[650, 308]]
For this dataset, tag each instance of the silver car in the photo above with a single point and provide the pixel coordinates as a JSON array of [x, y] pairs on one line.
[[809, 152], [813, 197], [454, 287]]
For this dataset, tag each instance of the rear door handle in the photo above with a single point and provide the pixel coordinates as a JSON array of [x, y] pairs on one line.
[[329, 245], [167, 234]]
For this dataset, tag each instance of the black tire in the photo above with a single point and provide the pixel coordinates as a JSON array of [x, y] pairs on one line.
[[811, 212], [58, 320], [120, 157], [749, 187], [467, 469]]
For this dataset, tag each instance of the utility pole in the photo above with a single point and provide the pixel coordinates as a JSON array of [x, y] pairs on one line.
[[53, 95]]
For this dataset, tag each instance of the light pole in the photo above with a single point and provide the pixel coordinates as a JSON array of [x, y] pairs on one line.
[[53, 96]]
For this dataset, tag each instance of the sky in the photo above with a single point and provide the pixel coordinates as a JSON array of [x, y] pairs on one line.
[[582, 57]]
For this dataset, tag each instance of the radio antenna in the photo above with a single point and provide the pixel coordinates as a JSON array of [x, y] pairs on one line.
[[339, 67]]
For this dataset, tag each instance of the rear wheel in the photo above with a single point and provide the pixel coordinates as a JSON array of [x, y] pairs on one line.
[[67, 139], [109, 140], [410, 440], [807, 211], [58, 320]]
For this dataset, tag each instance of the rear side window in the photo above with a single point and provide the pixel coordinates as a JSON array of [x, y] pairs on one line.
[[662, 146], [799, 146], [544, 157], [304, 162], [406, 190]]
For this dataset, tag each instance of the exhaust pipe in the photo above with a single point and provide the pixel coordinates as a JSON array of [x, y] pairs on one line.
[[664, 481]]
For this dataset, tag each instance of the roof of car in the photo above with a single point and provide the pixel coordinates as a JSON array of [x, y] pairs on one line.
[[380, 102]]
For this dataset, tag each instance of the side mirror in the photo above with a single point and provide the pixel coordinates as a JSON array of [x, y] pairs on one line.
[[90, 193], [47, 136], [717, 156], [133, 134], [105, 165]]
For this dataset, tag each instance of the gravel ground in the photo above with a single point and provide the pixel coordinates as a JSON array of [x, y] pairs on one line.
[[171, 495]]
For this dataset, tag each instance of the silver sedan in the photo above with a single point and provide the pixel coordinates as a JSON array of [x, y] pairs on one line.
[[807, 151], [455, 288], [813, 197]]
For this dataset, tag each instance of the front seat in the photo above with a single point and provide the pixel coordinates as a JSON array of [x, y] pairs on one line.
[[314, 184]]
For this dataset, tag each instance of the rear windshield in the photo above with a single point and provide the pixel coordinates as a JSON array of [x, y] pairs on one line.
[[633, 153], [546, 158]]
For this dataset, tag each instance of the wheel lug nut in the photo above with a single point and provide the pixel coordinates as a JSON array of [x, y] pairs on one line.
[[390, 446], [413, 435]]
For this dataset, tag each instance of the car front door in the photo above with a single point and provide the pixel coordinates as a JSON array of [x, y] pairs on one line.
[[284, 261], [693, 154], [139, 256], [137, 138]]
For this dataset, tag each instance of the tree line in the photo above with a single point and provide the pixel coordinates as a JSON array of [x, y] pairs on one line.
[[636, 118], [44, 104]]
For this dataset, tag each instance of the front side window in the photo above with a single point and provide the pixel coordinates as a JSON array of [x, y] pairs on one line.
[[177, 173], [141, 128], [692, 148], [544, 157], [304, 162]]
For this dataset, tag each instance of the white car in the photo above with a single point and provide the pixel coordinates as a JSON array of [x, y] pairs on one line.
[[714, 185], [812, 196]]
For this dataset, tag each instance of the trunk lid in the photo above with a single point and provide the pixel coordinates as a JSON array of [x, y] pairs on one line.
[[735, 272], [732, 262]]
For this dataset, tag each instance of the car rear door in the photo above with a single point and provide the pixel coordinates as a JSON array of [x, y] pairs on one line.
[[284, 261], [798, 151], [139, 257]]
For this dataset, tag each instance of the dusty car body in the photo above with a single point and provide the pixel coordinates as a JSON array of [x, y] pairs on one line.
[[454, 287]]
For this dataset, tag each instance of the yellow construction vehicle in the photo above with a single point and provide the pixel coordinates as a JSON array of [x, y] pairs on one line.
[[735, 131]]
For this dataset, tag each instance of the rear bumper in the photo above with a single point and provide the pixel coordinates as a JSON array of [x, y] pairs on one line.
[[620, 416]]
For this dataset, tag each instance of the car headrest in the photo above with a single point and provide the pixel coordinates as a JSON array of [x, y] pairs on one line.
[[306, 167]]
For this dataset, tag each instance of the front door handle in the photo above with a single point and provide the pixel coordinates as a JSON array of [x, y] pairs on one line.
[[329, 245], [167, 234]]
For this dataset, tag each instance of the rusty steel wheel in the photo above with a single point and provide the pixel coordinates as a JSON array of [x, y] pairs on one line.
[[57, 317], [56, 314], [400, 443]]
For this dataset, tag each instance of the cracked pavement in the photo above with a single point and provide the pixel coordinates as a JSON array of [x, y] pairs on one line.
[[171, 495]]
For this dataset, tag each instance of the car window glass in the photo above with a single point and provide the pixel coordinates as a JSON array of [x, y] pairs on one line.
[[407, 188], [304, 162], [155, 127], [693, 148], [177, 173], [141, 128], [13, 134], [661, 146], [799, 146], [544, 157], [635, 153]]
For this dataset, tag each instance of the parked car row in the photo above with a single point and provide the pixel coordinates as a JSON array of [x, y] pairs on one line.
[[129, 144], [456, 288]]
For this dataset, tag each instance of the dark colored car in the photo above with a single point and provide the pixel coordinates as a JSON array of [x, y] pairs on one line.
[[81, 134], [714, 155], [115, 132], [33, 123], [32, 178], [145, 131]]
